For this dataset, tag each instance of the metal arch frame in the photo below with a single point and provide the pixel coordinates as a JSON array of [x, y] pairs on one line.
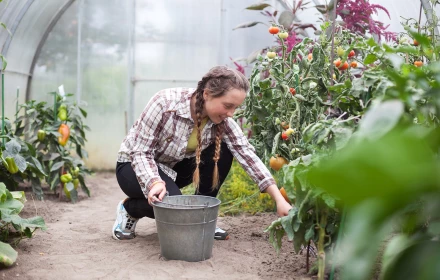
[[15, 26], [52, 23]]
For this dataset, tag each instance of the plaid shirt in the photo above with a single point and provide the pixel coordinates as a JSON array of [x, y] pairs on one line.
[[160, 137]]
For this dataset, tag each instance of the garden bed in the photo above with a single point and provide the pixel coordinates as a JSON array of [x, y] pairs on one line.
[[78, 245]]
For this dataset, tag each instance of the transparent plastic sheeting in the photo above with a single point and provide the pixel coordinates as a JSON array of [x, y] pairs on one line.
[[27, 20], [129, 50]]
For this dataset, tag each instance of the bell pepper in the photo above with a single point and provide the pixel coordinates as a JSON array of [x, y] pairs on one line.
[[41, 135], [66, 178], [65, 134], [76, 183], [62, 114], [12, 166], [75, 171]]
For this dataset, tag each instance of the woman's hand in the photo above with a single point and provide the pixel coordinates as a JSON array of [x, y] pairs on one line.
[[283, 206], [157, 192]]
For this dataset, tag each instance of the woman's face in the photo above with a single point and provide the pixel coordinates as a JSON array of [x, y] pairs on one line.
[[220, 108]]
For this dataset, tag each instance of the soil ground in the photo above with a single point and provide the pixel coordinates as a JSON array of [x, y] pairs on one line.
[[78, 245]]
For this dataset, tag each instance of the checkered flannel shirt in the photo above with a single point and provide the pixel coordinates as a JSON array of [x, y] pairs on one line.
[[160, 136]]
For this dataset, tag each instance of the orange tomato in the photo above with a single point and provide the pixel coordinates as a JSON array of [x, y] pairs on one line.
[[344, 66], [292, 91], [337, 63], [274, 30], [418, 63], [353, 64], [310, 56], [284, 194], [277, 162], [415, 42]]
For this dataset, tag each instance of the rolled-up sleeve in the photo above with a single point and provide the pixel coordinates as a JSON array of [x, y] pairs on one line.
[[142, 141], [245, 154]]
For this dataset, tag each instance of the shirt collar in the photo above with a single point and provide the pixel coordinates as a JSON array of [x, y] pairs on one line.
[[184, 110]]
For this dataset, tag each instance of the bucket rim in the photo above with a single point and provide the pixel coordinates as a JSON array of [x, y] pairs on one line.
[[160, 204]]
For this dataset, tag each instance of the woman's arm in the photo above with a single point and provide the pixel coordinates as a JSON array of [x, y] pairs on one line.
[[245, 154], [283, 206], [142, 140]]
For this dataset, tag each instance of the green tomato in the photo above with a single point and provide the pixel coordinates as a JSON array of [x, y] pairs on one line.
[[340, 51], [271, 55], [283, 35]]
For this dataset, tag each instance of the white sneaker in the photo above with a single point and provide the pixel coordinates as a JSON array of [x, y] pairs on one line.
[[221, 234], [124, 226]]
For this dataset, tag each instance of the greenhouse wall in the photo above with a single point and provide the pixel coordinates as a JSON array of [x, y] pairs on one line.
[[114, 55]]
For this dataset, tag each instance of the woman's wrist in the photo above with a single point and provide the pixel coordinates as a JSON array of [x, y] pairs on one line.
[[275, 193], [155, 183]]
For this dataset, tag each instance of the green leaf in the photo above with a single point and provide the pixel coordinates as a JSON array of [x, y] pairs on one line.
[[394, 167], [7, 254], [258, 6], [329, 200], [371, 42], [21, 224], [265, 84], [38, 165], [20, 162], [19, 195], [341, 136], [286, 222], [381, 119], [370, 58], [5, 62], [57, 166], [337, 87], [247, 24], [10, 207], [12, 147], [299, 240], [310, 233], [286, 19], [4, 193], [83, 112]]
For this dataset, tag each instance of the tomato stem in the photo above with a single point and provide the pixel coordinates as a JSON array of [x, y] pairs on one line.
[[321, 252]]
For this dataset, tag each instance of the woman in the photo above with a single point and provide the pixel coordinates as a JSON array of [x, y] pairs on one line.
[[186, 136]]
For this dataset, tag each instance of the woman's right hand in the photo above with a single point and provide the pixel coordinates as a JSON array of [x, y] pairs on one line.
[[157, 192]]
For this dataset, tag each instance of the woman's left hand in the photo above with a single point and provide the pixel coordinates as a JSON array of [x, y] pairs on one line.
[[283, 208]]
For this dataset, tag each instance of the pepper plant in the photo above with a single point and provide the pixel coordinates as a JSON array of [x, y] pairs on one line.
[[18, 162], [13, 228], [56, 131]]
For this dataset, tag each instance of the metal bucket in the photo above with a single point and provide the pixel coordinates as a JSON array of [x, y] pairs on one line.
[[186, 226]]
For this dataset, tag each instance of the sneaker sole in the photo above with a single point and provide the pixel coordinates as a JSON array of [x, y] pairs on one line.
[[116, 222]]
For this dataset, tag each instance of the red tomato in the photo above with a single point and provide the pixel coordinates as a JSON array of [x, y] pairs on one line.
[[274, 30]]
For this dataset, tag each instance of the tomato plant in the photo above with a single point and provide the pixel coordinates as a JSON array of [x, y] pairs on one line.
[[330, 100]]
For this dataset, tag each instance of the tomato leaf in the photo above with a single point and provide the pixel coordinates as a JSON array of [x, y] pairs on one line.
[[370, 58], [247, 24], [258, 6]]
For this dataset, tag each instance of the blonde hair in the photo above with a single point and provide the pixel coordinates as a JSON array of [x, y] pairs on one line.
[[217, 82]]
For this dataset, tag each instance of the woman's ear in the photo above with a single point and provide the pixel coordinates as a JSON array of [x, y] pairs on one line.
[[205, 94]]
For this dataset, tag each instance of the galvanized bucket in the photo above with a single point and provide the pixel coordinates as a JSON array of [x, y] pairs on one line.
[[186, 226]]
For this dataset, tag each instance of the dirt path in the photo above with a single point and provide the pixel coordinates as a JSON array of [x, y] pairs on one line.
[[78, 245]]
